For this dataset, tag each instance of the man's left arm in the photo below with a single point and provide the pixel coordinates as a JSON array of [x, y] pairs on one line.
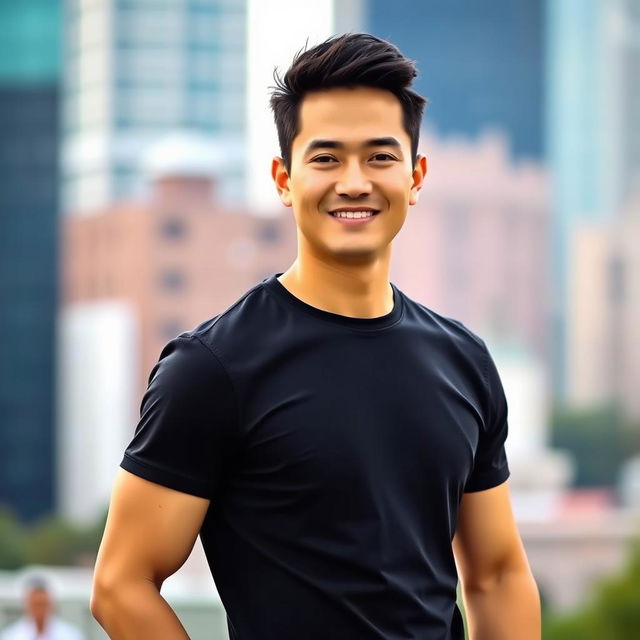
[[500, 595]]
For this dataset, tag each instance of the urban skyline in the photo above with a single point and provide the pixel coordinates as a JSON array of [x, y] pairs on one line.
[[129, 216]]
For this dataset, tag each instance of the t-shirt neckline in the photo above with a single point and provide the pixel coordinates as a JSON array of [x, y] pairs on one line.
[[367, 324]]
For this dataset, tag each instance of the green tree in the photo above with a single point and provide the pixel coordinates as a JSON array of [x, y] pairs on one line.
[[55, 541], [613, 613], [12, 541], [51, 541], [599, 438]]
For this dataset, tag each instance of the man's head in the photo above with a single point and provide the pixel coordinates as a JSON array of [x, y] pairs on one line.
[[349, 60], [38, 602], [348, 125]]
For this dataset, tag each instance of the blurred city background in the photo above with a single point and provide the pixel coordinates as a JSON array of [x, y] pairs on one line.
[[136, 202]]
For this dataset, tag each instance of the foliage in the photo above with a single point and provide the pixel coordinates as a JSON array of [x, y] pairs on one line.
[[600, 439], [51, 541], [12, 541], [567, 628], [612, 614]]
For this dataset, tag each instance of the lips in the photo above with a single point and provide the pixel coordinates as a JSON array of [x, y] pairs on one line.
[[355, 222]]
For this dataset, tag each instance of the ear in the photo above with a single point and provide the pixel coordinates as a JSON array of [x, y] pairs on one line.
[[281, 180], [419, 173]]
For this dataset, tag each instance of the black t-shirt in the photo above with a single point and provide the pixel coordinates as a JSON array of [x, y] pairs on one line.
[[335, 451]]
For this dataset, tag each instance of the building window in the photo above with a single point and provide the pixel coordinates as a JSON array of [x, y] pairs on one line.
[[173, 229], [172, 280], [269, 233]]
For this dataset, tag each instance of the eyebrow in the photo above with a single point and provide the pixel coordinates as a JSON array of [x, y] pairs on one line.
[[388, 141]]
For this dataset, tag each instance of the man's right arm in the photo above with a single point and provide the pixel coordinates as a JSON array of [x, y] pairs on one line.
[[150, 532]]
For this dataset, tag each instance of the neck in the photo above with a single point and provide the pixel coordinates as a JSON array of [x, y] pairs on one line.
[[41, 625], [354, 290]]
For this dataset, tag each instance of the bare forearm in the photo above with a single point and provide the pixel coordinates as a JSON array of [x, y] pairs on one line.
[[136, 612], [509, 609]]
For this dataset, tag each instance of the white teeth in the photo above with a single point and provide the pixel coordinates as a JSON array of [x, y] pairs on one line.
[[352, 214]]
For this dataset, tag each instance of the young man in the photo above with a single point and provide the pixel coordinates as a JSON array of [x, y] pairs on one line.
[[326, 435]]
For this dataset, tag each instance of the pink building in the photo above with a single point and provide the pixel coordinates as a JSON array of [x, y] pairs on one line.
[[177, 259], [603, 348]]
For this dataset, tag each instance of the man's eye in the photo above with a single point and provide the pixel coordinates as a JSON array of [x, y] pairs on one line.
[[324, 159], [381, 157]]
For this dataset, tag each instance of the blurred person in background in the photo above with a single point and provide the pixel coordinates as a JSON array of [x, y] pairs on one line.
[[39, 621], [326, 435]]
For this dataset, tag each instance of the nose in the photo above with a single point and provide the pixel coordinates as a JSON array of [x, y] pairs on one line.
[[353, 182]]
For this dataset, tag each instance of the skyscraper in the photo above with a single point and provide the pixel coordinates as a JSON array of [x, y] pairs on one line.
[[480, 63], [29, 65], [136, 70], [593, 128]]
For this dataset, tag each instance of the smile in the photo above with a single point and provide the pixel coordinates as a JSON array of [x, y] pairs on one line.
[[353, 218], [353, 214]]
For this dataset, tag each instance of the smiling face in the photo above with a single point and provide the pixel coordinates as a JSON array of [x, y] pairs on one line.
[[351, 156]]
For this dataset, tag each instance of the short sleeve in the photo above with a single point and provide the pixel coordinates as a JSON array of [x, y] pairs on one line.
[[490, 466], [184, 437]]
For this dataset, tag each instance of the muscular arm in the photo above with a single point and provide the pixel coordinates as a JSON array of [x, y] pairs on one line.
[[149, 534], [500, 595]]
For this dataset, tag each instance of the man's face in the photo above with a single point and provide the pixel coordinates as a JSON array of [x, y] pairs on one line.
[[38, 605], [351, 153]]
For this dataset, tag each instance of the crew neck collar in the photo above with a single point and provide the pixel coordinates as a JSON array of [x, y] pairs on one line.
[[366, 324]]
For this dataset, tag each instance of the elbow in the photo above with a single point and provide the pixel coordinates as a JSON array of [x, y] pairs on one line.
[[113, 594], [94, 607], [100, 594], [104, 597]]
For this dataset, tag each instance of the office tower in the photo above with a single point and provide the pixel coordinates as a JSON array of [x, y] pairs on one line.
[[480, 63], [29, 69], [603, 313], [138, 69], [593, 132]]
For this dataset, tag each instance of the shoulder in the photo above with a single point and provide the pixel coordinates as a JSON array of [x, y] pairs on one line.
[[240, 321], [193, 362], [445, 329], [65, 631]]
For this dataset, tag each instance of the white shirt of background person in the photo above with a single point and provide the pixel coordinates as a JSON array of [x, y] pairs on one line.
[[39, 623]]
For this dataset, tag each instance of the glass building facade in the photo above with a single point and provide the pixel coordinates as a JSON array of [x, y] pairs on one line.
[[592, 127], [480, 64], [138, 70], [29, 95]]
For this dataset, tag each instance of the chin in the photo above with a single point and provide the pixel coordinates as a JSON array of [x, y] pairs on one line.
[[357, 253]]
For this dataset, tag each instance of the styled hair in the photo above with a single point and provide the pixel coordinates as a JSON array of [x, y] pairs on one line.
[[349, 60]]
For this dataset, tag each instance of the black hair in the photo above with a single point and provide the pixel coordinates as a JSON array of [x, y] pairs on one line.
[[349, 60]]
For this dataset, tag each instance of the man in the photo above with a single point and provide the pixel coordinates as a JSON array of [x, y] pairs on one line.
[[39, 621], [326, 435]]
